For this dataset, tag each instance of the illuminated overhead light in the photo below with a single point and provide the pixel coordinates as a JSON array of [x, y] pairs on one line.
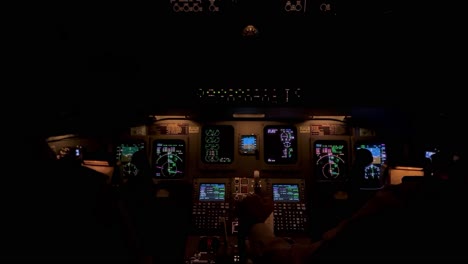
[[409, 168], [96, 163], [340, 118], [241, 115], [161, 117], [57, 138]]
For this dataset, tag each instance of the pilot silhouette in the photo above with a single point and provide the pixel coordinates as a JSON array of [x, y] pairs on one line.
[[140, 205]]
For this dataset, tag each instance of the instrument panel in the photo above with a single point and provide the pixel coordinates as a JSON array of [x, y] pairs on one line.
[[124, 156], [169, 158], [331, 160]]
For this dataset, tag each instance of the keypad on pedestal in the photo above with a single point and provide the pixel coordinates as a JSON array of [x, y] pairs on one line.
[[290, 217], [208, 215]]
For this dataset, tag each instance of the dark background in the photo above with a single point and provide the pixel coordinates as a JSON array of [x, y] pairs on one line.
[[106, 64]]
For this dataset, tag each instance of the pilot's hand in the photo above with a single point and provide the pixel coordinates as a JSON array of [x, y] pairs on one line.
[[253, 209]]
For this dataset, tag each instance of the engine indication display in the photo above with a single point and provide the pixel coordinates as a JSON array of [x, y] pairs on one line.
[[280, 144], [330, 160], [217, 144], [169, 158]]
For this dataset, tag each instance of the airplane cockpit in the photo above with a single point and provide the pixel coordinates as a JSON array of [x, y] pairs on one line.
[[164, 118]]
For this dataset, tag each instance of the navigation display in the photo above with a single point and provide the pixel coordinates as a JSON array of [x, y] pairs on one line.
[[280, 144], [217, 144], [286, 193], [330, 160], [169, 158], [212, 192]]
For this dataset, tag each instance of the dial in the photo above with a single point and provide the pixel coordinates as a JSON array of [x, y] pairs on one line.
[[332, 166], [169, 165], [129, 170], [372, 172]]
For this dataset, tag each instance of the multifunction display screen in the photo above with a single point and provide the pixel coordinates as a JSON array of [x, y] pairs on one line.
[[286, 193], [280, 144], [330, 160], [169, 158], [217, 144], [212, 192]]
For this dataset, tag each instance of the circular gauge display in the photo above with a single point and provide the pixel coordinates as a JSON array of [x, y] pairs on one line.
[[331, 166], [129, 170], [372, 172], [169, 158], [169, 165]]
